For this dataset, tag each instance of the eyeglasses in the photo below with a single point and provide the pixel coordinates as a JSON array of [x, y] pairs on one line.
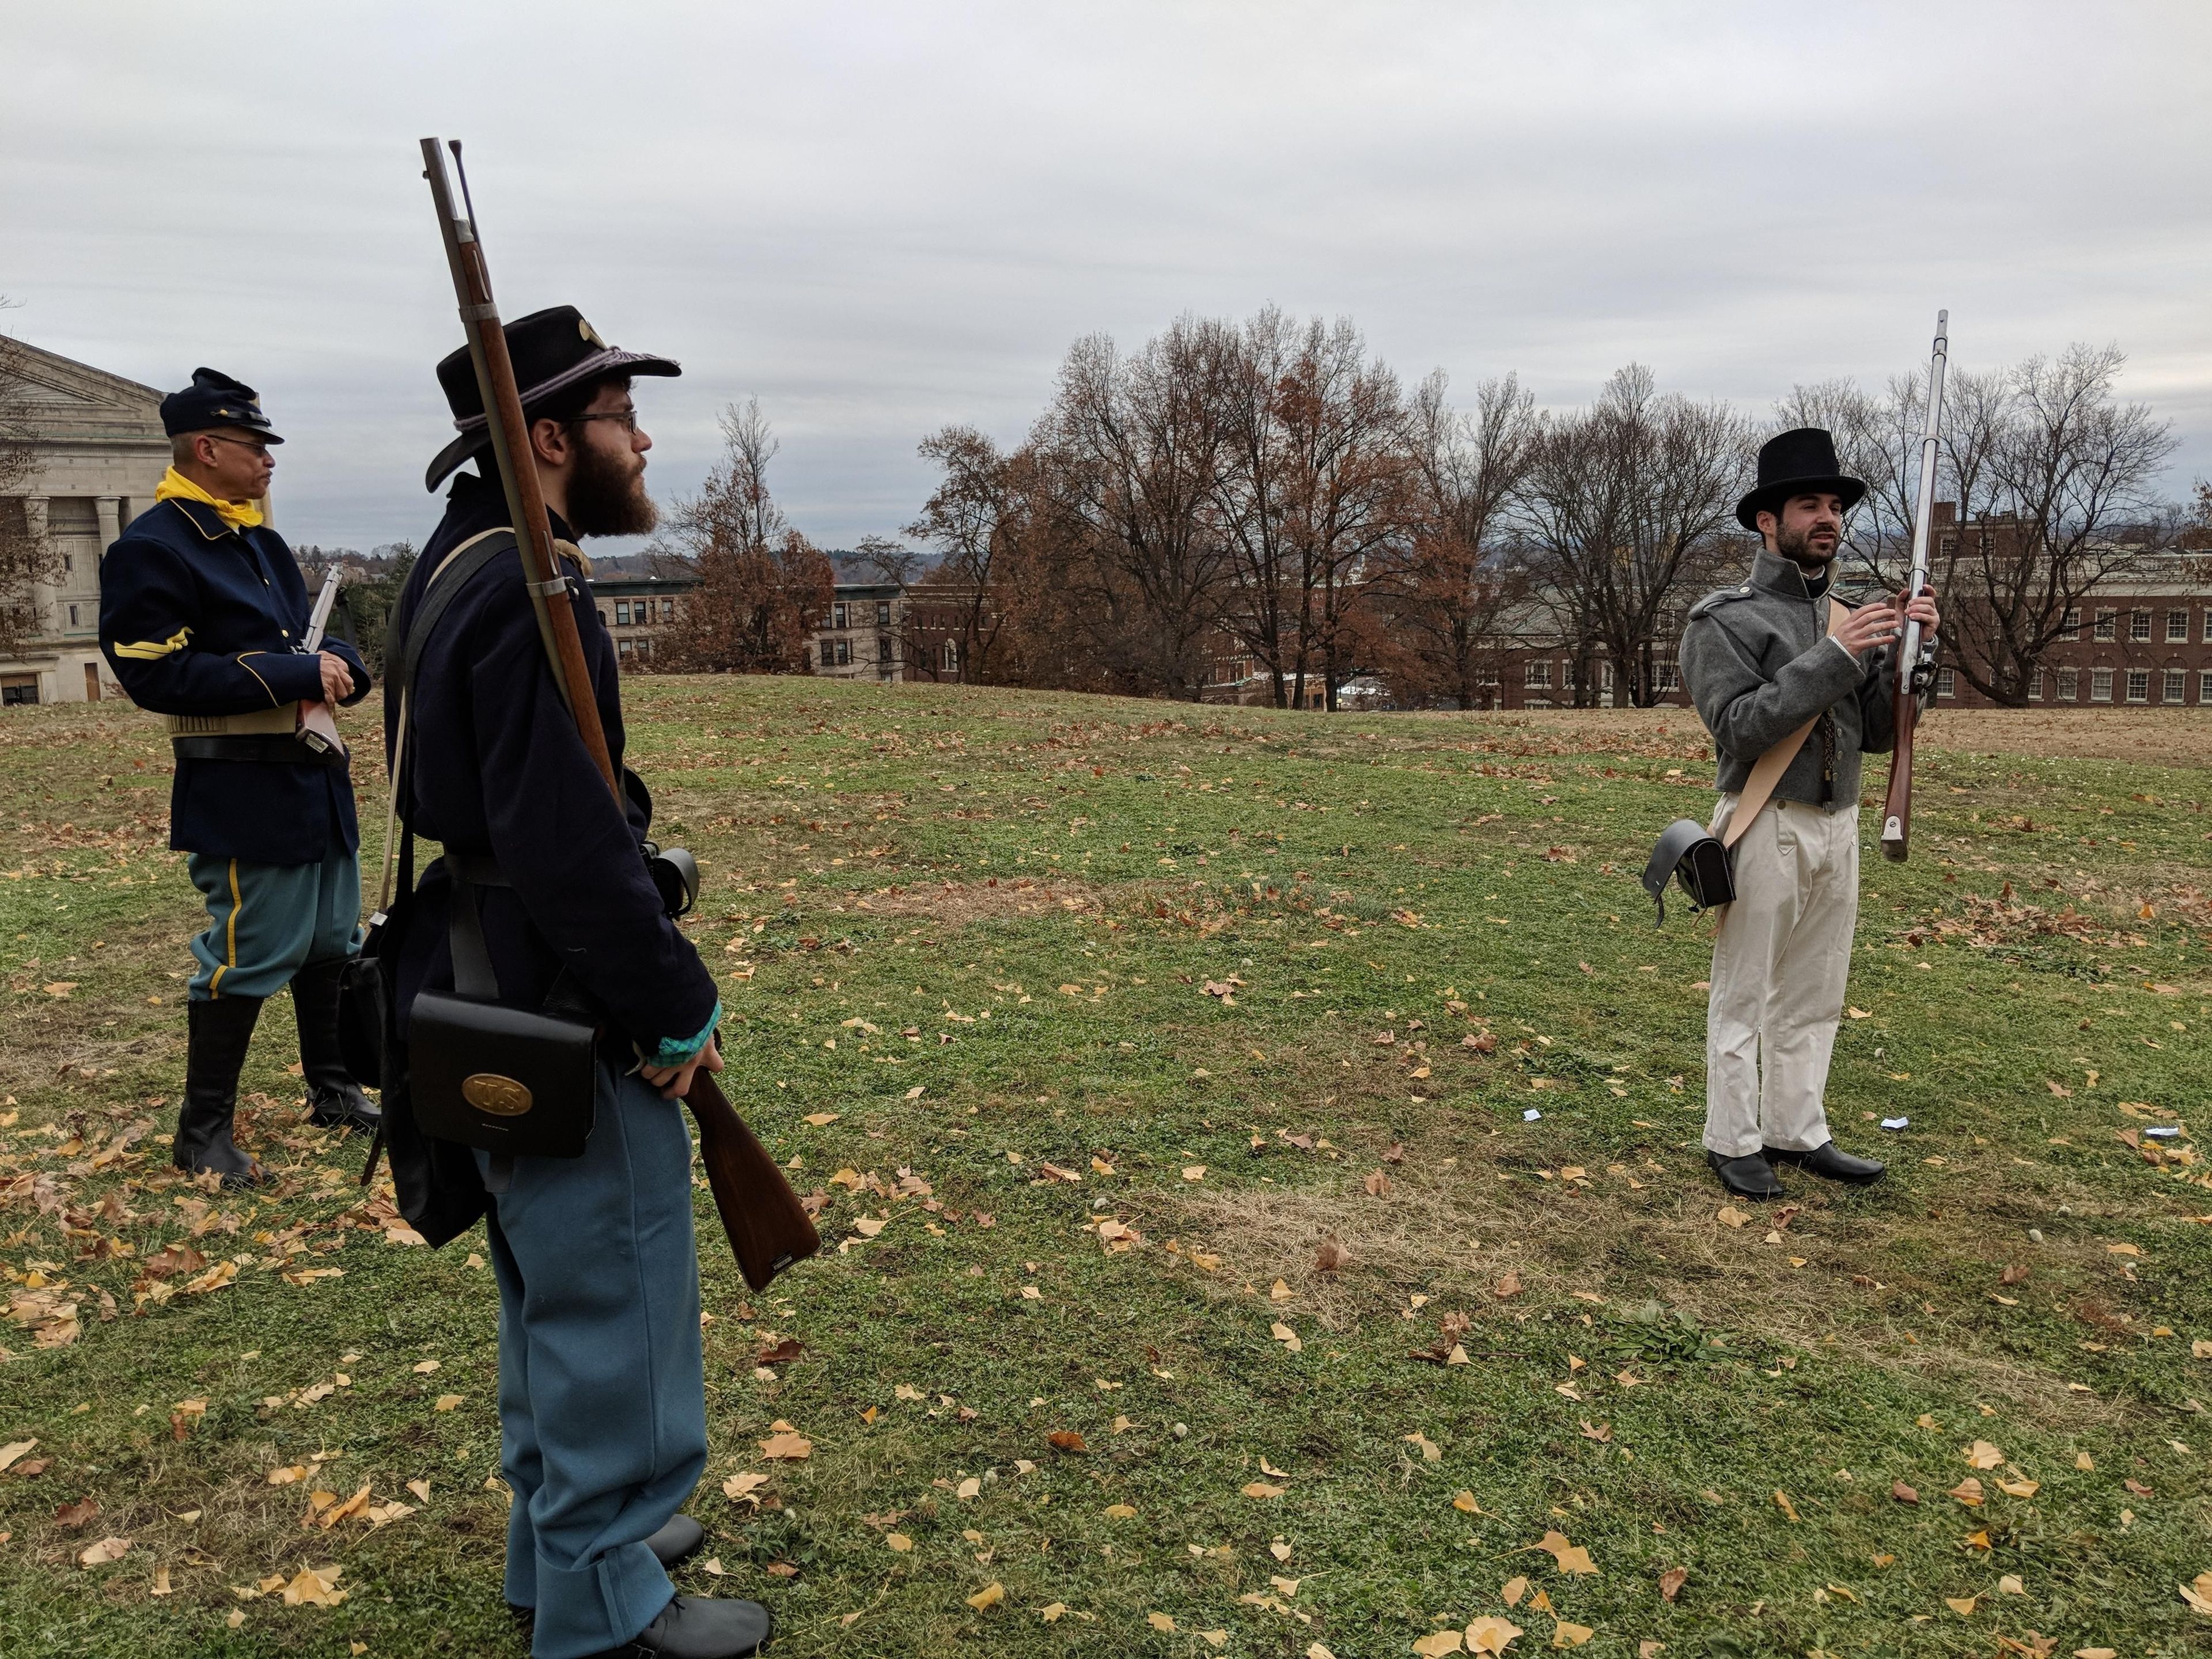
[[243, 443], [627, 416]]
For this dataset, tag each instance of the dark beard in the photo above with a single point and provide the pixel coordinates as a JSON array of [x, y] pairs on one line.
[[605, 498], [1798, 546]]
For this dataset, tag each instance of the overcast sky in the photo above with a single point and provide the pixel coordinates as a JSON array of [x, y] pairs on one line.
[[878, 219]]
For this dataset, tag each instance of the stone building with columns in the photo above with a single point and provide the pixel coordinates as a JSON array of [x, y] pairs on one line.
[[99, 451]]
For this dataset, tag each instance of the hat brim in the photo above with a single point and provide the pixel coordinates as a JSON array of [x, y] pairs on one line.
[[260, 432], [601, 365], [1769, 497]]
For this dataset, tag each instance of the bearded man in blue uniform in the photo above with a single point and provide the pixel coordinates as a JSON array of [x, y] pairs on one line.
[[203, 615], [603, 1426]]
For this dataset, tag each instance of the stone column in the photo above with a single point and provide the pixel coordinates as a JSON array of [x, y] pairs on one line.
[[109, 508]]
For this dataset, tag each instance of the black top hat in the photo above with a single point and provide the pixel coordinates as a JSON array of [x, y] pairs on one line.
[[553, 350], [215, 399], [1801, 462]]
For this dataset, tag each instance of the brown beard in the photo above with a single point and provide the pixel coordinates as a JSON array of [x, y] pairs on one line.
[[607, 499], [1798, 546]]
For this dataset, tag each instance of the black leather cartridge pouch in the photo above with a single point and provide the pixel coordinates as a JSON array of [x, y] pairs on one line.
[[518, 1082]]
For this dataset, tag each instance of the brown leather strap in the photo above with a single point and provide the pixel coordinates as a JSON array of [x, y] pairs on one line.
[[1766, 771]]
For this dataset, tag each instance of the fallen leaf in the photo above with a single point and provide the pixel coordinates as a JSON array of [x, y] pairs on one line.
[[819, 1119], [1902, 1493], [1566, 1635], [1465, 1504], [70, 1516], [899, 1542], [447, 1402], [1730, 1216], [1507, 1286], [1968, 1491], [1961, 1604], [1431, 1452], [1571, 1558], [2011, 1584], [1982, 1455], [161, 1586], [987, 1597], [1289, 1338], [1671, 1582], [2020, 1488], [107, 1550], [787, 1447], [1119, 1512], [1512, 1590], [1261, 1489], [1438, 1642], [14, 1450], [1161, 1622], [1052, 1611], [316, 1587], [741, 1486], [1781, 1501], [1490, 1634]]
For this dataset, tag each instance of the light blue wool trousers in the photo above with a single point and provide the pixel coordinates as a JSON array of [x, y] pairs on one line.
[[602, 1388], [266, 921]]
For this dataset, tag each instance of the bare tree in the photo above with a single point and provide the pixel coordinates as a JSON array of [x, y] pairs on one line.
[[28, 559], [2050, 470], [1630, 505], [892, 562], [1136, 450], [972, 520], [763, 585], [1457, 579]]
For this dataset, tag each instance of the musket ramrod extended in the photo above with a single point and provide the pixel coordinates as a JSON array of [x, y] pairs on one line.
[[1915, 654], [769, 1228]]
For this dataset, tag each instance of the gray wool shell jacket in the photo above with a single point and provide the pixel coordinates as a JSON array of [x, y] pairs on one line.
[[1758, 664]]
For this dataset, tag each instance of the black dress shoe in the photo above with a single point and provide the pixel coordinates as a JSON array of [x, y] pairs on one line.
[[1748, 1177], [677, 1541], [699, 1627], [1829, 1161]]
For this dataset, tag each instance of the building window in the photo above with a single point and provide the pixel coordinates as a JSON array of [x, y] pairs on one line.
[[2177, 686], [2177, 627], [844, 652], [603, 617], [952, 656], [1947, 681], [623, 647], [2139, 624], [829, 655], [668, 610], [1666, 678], [2071, 628], [73, 623], [2100, 685], [622, 613], [1540, 673], [882, 613], [2035, 686], [2108, 622], [836, 615], [883, 647], [2204, 686], [2139, 684], [22, 690], [2069, 685]]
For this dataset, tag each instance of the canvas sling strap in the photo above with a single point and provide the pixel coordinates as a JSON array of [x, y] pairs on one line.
[[1766, 771]]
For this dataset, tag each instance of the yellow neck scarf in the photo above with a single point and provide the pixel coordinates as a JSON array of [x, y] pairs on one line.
[[175, 486]]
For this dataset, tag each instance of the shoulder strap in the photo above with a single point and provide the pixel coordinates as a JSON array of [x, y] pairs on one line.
[[1766, 771], [452, 575]]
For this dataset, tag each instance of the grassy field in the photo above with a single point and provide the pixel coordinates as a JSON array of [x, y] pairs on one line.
[[1302, 1111]]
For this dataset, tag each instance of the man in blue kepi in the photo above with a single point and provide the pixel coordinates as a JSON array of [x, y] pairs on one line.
[[202, 616]]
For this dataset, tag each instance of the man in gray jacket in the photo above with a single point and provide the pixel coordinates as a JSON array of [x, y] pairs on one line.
[[1762, 660]]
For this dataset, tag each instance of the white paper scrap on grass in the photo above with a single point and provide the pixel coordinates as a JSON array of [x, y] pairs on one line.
[[1896, 1123], [1530, 1115]]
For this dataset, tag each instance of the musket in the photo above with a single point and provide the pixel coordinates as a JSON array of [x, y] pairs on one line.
[[1915, 654], [318, 727], [768, 1228]]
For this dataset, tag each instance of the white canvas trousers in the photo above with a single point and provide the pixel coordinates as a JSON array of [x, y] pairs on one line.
[[1779, 967]]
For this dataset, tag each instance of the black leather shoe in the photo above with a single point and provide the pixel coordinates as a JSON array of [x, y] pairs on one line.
[[699, 1627], [1830, 1162], [220, 1031], [1748, 1177], [334, 1099], [677, 1541]]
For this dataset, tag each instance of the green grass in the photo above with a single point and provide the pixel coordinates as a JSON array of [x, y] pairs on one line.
[[1432, 879]]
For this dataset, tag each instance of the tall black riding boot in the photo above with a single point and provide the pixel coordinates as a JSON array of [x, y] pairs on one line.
[[334, 1099], [220, 1031]]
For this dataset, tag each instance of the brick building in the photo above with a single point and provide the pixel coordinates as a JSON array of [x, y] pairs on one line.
[[639, 610], [862, 634]]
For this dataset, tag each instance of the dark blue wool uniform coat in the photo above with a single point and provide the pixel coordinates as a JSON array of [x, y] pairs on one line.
[[496, 767], [197, 618]]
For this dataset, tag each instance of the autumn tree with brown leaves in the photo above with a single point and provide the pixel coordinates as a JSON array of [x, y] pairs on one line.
[[763, 585], [29, 560]]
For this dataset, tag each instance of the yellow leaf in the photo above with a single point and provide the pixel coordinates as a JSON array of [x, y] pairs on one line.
[[968, 1489], [1438, 1642], [1317, 1651], [1431, 1452], [788, 1448], [1465, 1504], [1968, 1491], [819, 1119], [1278, 1291], [1961, 1604], [987, 1597], [107, 1550], [1730, 1216], [2020, 1488], [445, 1402], [1196, 1172], [1982, 1455], [2011, 1584], [1512, 1590], [1565, 1635], [899, 1542], [741, 1486], [1490, 1634], [1161, 1622], [1050, 1612], [161, 1582], [1289, 1338], [424, 1367], [1571, 1558], [1260, 1489], [1781, 1501], [316, 1587], [2084, 1460], [14, 1450], [1121, 1512]]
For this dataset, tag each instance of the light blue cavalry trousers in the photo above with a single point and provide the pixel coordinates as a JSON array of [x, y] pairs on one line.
[[602, 1399]]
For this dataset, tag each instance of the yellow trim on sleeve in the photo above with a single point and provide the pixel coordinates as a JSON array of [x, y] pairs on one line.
[[154, 650], [229, 935], [241, 660]]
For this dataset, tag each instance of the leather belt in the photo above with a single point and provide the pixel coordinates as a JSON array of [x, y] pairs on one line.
[[269, 750]]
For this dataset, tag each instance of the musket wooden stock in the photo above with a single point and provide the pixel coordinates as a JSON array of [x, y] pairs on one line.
[[769, 1228]]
